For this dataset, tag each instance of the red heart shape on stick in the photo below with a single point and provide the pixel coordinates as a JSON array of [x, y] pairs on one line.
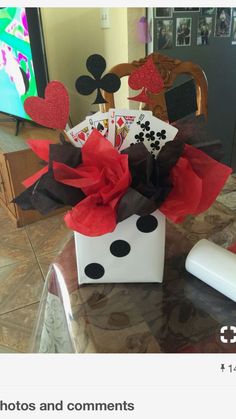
[[53, 111]]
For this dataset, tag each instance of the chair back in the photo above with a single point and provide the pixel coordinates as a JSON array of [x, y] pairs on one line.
[[170, 69]]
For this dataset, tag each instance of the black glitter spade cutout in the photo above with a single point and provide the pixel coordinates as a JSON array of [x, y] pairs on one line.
[[85, 85]]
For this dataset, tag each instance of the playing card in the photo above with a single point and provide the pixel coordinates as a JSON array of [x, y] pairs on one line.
[[79, 134], [151, 131], [120, 122], [99, 121]]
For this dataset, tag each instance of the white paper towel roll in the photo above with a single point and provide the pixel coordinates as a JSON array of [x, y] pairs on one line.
[[214, 265]]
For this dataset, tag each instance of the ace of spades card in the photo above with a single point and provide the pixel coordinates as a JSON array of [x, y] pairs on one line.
[[99, 121], [150, 131], [120, 122]]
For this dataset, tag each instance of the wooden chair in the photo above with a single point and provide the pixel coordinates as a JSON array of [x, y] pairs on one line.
[[170, 69]]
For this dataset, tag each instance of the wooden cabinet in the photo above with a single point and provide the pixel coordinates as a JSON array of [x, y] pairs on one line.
[[6, 194], [17, 162]]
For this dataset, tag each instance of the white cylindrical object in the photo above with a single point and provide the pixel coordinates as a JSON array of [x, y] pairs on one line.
[[214, 265]]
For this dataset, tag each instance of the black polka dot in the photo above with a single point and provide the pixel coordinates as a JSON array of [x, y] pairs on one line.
[[120, 248], [94, 270], [147, 224]]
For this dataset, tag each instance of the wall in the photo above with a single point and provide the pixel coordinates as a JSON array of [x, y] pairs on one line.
[[72, 34], [218, 60]]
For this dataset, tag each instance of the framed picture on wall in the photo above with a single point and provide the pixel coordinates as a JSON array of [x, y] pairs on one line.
[[204, 30], [186, 9], [163, 12], [223, 21], [234, 32], [183, 31], [164, 33]]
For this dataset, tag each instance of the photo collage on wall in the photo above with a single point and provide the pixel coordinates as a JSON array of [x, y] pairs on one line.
[[177, 27]]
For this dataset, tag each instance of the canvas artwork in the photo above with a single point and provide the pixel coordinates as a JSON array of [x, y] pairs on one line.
[[164, 34], [183, 31], [204, 30]]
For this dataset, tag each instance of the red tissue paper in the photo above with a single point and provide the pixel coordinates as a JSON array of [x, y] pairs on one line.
[[103, 177], [197, 180], [36, 176], [232, 248], [53, 110], [41, 148], [104, 187]]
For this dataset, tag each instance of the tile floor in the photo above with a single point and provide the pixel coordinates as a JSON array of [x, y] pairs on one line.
[[25, 255]]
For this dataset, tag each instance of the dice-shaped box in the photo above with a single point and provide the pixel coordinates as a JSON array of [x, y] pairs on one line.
[[133, 252]]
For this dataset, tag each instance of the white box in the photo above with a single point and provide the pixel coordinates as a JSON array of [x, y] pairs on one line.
[[133, 252]]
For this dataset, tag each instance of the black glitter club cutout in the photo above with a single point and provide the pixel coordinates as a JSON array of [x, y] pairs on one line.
[[86, 85]]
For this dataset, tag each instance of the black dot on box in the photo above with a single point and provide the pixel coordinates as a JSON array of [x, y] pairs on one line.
[[94, 270], [120, 248], [147, 223]]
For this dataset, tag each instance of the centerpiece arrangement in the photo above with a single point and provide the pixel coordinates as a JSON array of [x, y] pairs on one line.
[[121, 172]]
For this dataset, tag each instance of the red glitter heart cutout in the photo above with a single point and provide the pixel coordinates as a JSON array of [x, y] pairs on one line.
[[51, 111]]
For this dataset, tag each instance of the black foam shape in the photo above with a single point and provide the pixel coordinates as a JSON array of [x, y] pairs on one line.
[[85, 85]]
